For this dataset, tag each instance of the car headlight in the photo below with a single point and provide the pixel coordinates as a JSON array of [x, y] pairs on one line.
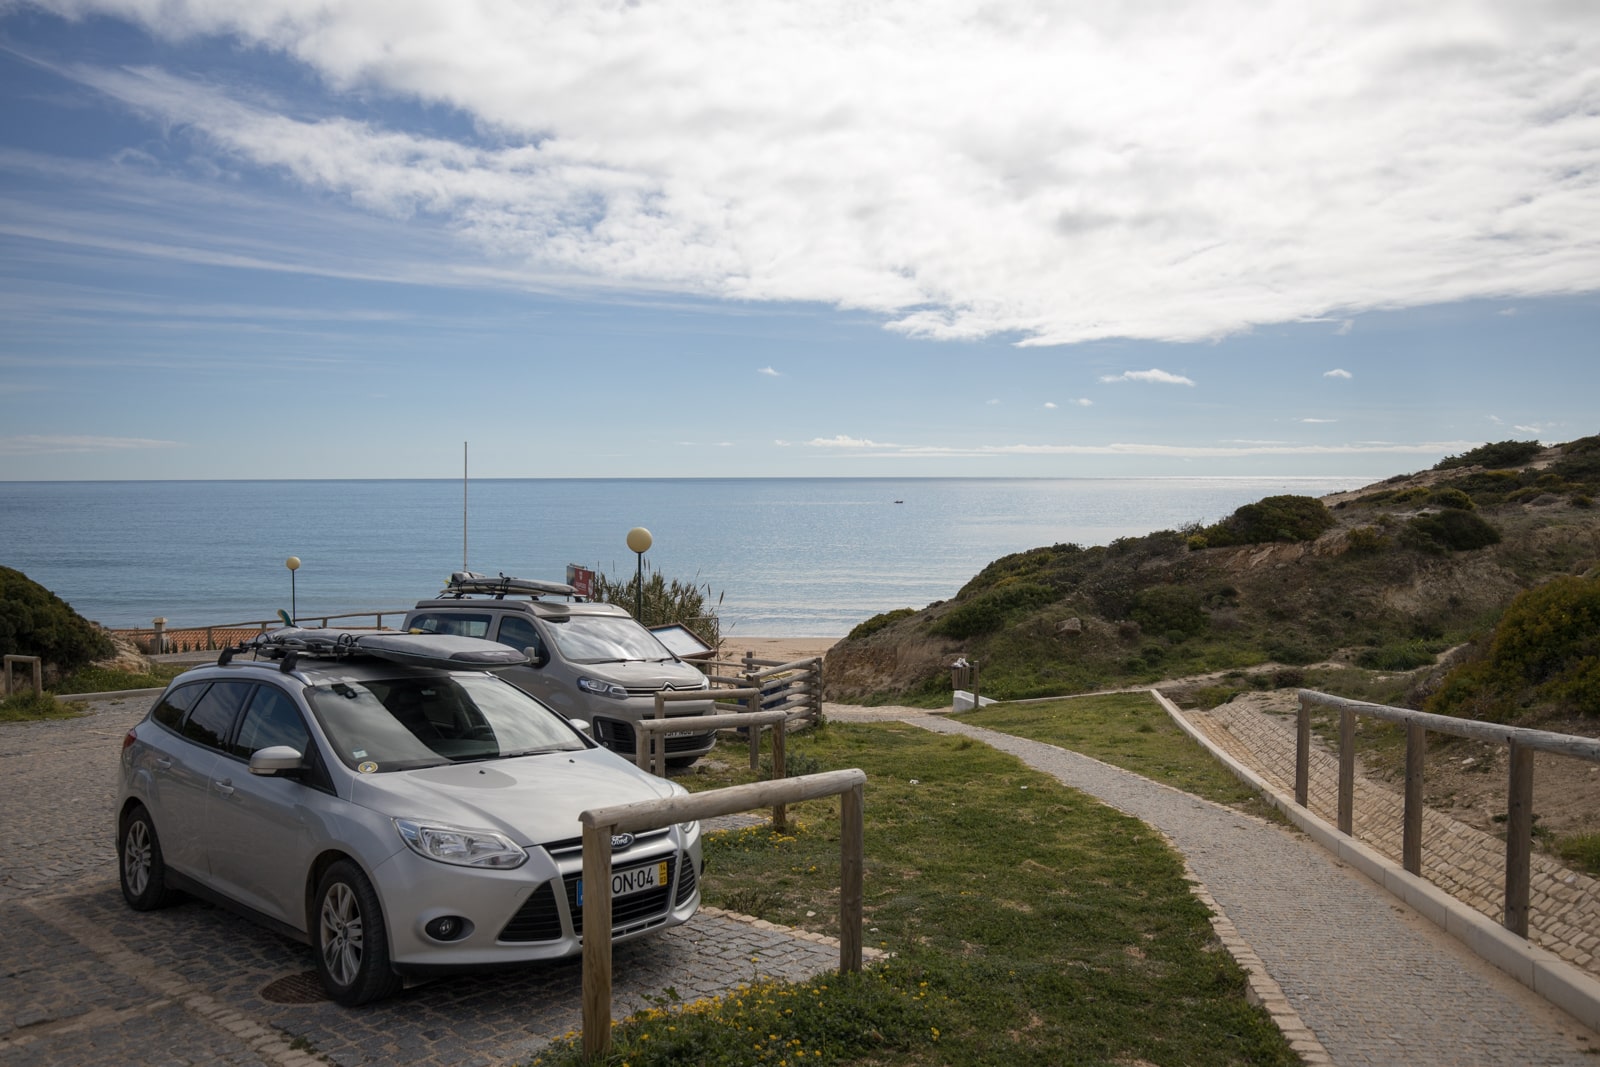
[[600, 688], [464, 848]]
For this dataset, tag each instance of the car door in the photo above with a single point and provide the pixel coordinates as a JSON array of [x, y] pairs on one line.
[[261, 829], [182, 773]]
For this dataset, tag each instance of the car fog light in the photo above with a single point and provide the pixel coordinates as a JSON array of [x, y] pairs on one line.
[[448, 928]]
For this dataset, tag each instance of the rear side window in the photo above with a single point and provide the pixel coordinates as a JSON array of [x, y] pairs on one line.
[[453, 623], [212, 718], [169, 712], [271, 719], [520, 634]]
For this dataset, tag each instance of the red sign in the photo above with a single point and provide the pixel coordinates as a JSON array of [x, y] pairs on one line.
[[581, 580]]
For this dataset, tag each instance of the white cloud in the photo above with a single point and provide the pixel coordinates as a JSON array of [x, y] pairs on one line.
[[1345, 327], [1507, 312], [769, 372], [841, 441], [856, 448], [1316, 421], [1164, 171], [1050, 404], [1337, 372], [1160, 377], [46, 444], [1497, 420], [1084, 402], [1536, 430], [992, 402]]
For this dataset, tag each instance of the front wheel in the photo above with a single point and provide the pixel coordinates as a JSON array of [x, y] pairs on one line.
[[142, 870], [351, 943]]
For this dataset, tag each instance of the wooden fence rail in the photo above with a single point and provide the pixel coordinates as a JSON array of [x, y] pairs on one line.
[[599, 824], [1522, 743]]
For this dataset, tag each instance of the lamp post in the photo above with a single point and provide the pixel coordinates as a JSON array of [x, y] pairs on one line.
[[639, 541], [293, 563]]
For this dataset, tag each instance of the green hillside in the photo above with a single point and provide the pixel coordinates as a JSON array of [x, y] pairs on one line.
[[1385, 578]]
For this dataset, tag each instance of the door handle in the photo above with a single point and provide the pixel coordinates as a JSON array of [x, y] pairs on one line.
[[164, 763], [224, 786]]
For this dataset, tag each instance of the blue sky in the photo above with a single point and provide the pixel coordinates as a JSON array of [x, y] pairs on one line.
[[708, 238]]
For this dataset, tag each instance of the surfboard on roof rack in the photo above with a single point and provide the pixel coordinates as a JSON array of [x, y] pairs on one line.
[[444, 651], [464, 582]]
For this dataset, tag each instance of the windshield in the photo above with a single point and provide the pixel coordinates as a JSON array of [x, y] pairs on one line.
[[427, 720], [605, 639]]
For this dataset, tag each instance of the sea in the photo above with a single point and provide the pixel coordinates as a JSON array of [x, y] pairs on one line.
[[782, 557]]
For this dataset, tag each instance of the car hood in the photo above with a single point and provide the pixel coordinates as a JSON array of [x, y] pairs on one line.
[[530, 799], [636, 674]]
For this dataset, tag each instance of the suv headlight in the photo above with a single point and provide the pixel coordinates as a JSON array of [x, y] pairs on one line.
[[600, 688], [464, 848]]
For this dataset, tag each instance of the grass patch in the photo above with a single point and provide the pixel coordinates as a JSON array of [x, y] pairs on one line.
[[25, 707], [1127, 730], [1581, 852], [1029, 925], [102, 680]]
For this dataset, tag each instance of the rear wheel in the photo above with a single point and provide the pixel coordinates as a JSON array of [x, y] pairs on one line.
[[142, 870], [351, 942]]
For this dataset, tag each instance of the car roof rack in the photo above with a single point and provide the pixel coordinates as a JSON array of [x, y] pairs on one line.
[[445, 651], [467, 583]]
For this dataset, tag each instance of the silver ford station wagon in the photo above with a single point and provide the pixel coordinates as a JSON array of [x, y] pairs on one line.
[[386, 800]]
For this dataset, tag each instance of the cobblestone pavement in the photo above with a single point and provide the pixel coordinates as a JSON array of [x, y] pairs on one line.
[[86, 981], [1462, 860], [1375, 983]]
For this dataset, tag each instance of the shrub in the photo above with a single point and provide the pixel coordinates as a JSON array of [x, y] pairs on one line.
[[1447, 497], [1290, 652], [1365, 540], [1406, 657], [1450, 530], [1546, 647], [36, 622], [879, 622], [1273, 518], [991, 610], [664, 602], [1495, 454], [1169, 609]]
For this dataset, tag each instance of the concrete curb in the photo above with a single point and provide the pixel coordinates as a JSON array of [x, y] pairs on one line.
[[1559, 982]]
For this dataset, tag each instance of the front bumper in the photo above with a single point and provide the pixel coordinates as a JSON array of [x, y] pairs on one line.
[[528, 914]]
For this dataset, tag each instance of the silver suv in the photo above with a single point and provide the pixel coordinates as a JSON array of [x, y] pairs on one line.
[[400, 816], [587, 660]]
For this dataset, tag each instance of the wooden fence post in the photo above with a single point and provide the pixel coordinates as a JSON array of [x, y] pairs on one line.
[[780, 769], [1302, 752], [597, 940], [1519, 838], [1347, 770], [851, 837], [1411, 834], [753, 704]]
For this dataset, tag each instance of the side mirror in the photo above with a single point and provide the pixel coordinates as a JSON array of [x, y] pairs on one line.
[[537, 657], [582, 726], [276, 760]]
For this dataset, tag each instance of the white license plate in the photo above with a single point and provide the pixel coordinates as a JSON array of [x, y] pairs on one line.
[[633, 880], [682, 733]]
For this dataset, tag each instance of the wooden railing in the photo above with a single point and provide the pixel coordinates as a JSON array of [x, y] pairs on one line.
[[1521, 742], [600, 824], [160, 638], [794, 686]]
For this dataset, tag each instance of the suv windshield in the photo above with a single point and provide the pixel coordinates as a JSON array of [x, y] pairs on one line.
[[605, 639], [425, 721]]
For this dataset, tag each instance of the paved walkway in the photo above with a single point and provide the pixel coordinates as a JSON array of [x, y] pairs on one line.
[[1465, 862], [1372, 981], [86, 981]]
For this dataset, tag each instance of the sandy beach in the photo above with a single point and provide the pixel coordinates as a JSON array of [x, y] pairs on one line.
[[786, 649]]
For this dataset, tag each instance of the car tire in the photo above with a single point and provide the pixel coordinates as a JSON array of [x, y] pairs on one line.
[[349, 938], [140, 866]]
